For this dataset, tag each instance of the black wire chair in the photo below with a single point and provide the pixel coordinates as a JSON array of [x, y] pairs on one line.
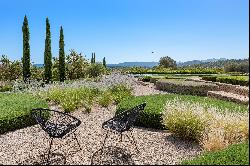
[[123, 122], [56, 124]]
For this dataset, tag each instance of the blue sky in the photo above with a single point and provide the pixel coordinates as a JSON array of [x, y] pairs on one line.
[[129, 30]]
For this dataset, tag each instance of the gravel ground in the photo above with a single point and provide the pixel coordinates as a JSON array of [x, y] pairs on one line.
[[27, 146]]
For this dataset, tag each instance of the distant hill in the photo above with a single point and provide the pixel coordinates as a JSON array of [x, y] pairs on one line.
[[197, 62], [38, 65], [134, 64]]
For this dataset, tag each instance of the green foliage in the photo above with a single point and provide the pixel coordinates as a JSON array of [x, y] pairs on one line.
[[104, 62], [185, 124], [237, 154], [76, 65], [120, 92], [95, 70], [145, 78], [72, 98], [15, 110], [181, 86], [26, 49], [160, 70], [152, 115], [167, 62], [47, 54], [5, 87], [62, 74], [105, 98], [242, 67], [10, 70], [235, 80]]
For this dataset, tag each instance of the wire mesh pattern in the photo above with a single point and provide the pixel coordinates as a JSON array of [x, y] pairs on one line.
[[56, 124], [123, 122]]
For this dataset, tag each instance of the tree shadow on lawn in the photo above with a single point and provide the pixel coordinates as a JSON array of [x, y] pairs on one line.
[[112, 156]]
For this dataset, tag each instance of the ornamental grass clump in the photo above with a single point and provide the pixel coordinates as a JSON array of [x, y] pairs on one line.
[[212, 127]]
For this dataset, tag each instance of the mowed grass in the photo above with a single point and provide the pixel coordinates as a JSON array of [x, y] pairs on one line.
[[15, 110], [151, 116], [237, 154]]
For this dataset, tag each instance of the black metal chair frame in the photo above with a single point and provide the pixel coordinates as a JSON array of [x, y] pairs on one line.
[[123, 122], [56, 129]]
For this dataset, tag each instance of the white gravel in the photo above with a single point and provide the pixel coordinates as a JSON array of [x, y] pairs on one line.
[[27, 146]]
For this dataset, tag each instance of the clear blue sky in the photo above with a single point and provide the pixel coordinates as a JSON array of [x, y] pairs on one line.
[[129, 30]]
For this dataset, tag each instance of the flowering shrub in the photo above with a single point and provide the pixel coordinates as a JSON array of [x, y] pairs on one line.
[[214, 128]]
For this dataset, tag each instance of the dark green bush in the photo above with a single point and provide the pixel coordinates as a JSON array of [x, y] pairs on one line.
[[15, 110], [237, 154], [146, 78], [152, 115], [209, 78], [233, 80], [4, 88]]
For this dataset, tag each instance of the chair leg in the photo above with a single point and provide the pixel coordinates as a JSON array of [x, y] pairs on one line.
[[104, 140], [77, 141], [120, 137], [133, 141], [51, 141]]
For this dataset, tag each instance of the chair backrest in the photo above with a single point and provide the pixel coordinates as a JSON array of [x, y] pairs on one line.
[[130, 116], [41, 115]]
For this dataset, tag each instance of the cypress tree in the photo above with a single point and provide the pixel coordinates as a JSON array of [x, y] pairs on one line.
[[91, 61], [94, 57], [47, 54], [61, 56], [104, 62], [26, 50]]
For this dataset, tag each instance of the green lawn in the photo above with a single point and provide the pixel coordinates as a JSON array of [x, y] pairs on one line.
[[237, 154], [151, 116]]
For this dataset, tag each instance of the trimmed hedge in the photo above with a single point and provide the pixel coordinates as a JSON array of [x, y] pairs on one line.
[[152, 115], [181, 86], [237, 154], [234, 80], [15, 110]]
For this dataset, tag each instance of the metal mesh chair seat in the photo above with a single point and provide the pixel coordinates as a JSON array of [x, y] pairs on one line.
[[123, 121], [55, 123]]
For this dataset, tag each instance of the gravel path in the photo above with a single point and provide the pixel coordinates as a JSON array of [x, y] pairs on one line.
[[27, 146]]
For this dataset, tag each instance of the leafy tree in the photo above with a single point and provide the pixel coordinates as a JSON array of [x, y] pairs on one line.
[[76, 65], [26, 49], [9, 70], [47, 54], [94, 57], [95, 70], [104, 62], [167, 62], [61, 56]]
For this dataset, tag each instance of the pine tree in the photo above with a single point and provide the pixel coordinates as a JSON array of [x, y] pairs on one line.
[[47, 54], [104, 62], [61, 56], [26, 50]]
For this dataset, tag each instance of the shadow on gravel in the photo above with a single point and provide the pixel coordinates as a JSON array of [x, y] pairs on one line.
[[55, 159], [182, 144], [112, 156]]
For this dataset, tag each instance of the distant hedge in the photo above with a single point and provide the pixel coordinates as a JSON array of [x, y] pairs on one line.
[[15, 110], [234, 80]]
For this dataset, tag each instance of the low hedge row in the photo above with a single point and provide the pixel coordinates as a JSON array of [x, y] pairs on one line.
[[15, 110], [237, 154], [234, 80], [181, 86], [152, 115]]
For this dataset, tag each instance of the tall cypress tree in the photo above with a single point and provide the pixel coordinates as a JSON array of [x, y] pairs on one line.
[[26, 49], [47, 54], [104, 62], [91, 61], [61, 56], [94, 57]]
